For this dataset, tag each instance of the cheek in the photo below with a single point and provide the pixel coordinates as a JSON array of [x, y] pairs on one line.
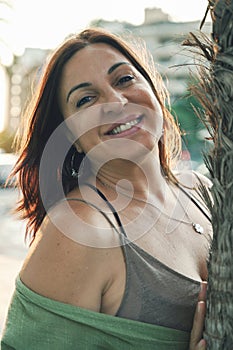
[[84, 124], [146, 96], [156, 107], [155, 103], [155, 119], [151, 101], [88, 140]]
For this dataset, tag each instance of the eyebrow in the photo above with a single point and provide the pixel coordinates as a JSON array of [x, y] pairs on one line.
[[115, 66], [79, 86]]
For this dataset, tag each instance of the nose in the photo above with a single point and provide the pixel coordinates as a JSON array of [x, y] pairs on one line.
[[115, 103]]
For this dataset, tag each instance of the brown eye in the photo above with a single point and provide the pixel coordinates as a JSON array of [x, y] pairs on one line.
[[83, 100], [125, 79]]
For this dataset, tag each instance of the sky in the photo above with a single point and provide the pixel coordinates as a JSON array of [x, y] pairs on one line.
[[46, 23]]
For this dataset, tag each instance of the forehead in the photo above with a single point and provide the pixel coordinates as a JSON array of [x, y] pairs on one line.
[[92, 59]]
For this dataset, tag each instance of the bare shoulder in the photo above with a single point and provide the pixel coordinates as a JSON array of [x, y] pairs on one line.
[[193, 179], [71, 260], [198, 185]]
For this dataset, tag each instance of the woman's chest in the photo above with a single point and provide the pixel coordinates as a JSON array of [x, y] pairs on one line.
[[175, 243]]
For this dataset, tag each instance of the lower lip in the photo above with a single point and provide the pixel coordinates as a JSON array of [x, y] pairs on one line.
[[128, 132]]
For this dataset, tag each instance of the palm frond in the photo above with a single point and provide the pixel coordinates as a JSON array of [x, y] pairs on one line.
[[214, 89]]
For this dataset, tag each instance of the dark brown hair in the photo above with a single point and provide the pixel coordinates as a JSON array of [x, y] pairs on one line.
[[43, 116]]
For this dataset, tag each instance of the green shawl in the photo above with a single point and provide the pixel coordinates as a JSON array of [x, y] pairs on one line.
[[35, 323]]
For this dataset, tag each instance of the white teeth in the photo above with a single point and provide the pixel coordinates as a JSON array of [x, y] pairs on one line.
[[126, 126]]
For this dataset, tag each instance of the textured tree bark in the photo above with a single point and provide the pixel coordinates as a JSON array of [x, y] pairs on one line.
[[214, 90]]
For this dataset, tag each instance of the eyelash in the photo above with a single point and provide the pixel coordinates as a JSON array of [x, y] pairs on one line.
[[125, 79], [83, 101]]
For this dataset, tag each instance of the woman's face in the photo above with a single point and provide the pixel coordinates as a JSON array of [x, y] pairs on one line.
[[110, 102]]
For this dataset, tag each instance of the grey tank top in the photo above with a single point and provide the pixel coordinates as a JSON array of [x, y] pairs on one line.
[[154, 293]]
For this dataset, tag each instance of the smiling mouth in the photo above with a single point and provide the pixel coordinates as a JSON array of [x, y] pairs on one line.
[[123, 127]]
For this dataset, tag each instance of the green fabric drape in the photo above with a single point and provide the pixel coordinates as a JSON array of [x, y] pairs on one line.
[[35, 322]]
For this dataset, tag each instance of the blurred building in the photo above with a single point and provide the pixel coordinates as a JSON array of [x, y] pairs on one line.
[[4, 97], [162, 37], [23, 75]]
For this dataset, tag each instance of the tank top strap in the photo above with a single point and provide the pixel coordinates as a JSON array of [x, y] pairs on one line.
[[111, 207], [94, 206], [195, 201]]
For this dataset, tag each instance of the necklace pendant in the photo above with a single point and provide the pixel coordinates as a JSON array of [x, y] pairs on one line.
[[198, 228]]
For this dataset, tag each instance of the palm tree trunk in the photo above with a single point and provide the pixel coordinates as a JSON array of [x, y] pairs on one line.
[[214, 90]]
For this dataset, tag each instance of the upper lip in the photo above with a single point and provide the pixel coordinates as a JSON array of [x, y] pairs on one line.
[[123, 121]]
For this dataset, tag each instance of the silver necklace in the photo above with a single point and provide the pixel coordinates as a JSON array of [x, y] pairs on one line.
[[196, 226]]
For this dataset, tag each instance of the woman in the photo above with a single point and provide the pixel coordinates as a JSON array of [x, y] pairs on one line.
[[120, 241]]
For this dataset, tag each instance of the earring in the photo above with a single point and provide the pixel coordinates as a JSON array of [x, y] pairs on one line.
[[79, 149], [74, 173]]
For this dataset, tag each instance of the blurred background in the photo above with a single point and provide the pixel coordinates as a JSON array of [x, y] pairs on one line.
[[29, 30]]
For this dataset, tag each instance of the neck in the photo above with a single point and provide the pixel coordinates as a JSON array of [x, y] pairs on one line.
[[142, 181]]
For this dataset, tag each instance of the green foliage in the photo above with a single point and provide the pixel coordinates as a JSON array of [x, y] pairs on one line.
[[6, 141], [183, 109]]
